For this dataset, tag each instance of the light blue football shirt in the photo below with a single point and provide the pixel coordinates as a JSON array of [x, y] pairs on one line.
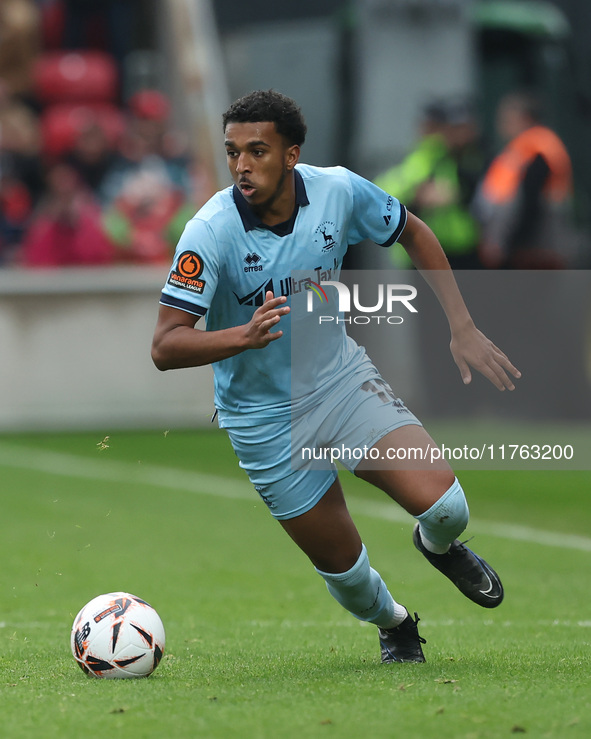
[[226, 260]]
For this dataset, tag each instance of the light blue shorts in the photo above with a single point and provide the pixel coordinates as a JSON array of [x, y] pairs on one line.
[[354, 415]]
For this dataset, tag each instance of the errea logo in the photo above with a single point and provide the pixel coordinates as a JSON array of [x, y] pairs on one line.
[[252, 260]]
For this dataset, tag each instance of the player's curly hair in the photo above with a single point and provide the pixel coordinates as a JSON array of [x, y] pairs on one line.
[[269, 105]]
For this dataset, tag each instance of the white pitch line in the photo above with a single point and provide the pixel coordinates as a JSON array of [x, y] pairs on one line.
[[70, 465], [500, 529]]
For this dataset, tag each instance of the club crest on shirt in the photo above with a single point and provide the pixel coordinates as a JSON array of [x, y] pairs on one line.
[[326, 235]]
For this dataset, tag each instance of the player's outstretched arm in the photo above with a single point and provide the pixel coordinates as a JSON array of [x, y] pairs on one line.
[[177, 343], [469, 346]]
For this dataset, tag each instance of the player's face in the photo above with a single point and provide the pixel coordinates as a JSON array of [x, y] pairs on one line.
[[260, 160]]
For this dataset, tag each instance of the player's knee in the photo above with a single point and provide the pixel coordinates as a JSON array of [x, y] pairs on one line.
[[447, 518], [336, 561]]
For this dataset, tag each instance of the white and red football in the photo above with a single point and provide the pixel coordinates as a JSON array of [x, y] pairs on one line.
[[117, 635]]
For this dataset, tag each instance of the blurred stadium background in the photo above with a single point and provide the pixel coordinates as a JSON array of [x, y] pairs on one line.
[[75, 340]]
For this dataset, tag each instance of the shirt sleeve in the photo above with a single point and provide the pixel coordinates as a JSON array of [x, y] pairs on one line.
[[376, 214], [193, 277]]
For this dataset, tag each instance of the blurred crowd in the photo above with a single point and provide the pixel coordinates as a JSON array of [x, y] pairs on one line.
[[89, 175], [92, 171], [511, 210]]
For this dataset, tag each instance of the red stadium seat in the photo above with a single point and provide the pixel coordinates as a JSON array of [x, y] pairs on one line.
[[62, 123], [76, 76]]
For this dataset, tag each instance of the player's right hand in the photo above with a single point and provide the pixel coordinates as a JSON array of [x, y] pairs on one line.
[[258, 330]]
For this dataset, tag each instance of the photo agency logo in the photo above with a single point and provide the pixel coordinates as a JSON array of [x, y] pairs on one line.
[[390, 298]]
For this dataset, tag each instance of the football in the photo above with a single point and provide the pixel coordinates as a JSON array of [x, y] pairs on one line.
[[117, 635]]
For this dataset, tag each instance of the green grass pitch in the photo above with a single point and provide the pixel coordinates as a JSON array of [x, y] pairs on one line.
[[255, 645]]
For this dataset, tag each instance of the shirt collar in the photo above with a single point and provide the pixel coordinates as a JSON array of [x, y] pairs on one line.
[[251, 221]]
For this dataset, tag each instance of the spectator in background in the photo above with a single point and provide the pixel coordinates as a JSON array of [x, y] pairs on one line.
[[21, 174], [149, 145], [20, 31], [148, 191], [92, 156], [146, 219], [523, 203], [20, 146], [66, 230], [438, 178], [15, 211]]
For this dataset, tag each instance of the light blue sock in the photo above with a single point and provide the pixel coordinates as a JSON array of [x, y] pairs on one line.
[[445, 520], [363, 593]]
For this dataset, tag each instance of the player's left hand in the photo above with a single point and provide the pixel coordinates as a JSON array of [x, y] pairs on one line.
[[471, 348]]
